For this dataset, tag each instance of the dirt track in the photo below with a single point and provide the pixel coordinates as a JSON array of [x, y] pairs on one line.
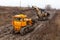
[[34, 35], [6, 35]]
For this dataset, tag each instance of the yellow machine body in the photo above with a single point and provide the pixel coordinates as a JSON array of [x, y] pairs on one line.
[[20, 21]]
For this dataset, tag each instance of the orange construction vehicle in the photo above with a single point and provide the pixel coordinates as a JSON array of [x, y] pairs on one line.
[[21, 23]]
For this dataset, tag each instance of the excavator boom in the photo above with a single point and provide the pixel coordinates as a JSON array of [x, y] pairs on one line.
[[42, 15]]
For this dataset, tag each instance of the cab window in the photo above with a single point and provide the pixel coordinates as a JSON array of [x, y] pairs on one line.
[[17, 19]]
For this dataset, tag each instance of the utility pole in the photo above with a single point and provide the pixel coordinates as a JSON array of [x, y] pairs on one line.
[[20, 3]]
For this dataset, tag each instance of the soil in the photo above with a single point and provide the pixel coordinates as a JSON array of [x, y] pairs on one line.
[[45, 30]]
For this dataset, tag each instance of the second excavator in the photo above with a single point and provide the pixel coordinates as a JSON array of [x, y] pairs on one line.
[[41, 14]]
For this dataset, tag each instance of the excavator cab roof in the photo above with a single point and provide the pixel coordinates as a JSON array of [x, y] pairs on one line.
[[21, 16]]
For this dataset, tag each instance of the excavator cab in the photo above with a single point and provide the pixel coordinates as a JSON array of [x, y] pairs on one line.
[[21, 22]]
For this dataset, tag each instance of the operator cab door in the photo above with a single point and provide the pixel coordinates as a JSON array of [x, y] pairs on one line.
[[17, 22]]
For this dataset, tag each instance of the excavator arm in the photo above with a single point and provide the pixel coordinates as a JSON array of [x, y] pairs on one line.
[[42, 15]]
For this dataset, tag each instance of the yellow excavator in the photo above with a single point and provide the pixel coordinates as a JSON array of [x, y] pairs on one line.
[[21, 23], [41, 14]]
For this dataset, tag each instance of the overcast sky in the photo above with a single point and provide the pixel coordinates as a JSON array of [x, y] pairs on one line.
[[39, 3]]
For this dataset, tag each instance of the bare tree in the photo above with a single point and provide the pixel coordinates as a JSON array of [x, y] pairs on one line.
[[48, 7]]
